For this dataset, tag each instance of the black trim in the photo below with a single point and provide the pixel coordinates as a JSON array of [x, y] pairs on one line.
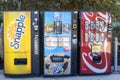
[[74, 42], [2, 59], [79, 40], [42, 41], [35, 34]]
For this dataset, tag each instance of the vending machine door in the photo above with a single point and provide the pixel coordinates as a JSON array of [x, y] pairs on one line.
[[60, 36], [95, 47], [20, 38]]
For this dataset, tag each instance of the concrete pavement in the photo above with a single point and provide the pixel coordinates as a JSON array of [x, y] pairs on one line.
[[92, 77]]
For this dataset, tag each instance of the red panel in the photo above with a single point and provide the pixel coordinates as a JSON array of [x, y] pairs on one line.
[[95, 44]]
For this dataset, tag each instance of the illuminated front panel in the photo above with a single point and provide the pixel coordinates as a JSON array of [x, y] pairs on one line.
[[57, 43], [17, 42]]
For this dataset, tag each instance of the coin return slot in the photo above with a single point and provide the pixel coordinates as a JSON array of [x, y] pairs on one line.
[[57, 58], [20, 61], [96, 59]]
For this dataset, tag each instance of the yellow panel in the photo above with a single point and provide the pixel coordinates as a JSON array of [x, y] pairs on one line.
[[17, 41], [96, 47]]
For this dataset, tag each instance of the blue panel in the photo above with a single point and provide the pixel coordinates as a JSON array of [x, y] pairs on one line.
[[57, 43]]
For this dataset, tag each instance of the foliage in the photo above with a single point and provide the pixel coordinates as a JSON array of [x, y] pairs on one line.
[[84, 5]]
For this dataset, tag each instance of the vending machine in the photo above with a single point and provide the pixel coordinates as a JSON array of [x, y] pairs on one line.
[[21, 43], [95, 42], [60, 43]]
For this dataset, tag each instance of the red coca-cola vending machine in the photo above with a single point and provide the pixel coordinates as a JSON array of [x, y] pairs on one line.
[[95, 42]]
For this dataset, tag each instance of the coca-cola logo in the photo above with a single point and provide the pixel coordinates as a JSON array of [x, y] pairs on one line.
[[94, 17]]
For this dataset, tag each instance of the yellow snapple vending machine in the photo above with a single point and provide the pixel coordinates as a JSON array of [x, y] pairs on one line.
[[21, 43]]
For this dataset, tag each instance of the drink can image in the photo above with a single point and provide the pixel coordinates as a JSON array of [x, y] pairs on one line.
[[92, 25], [102, 37], [58, 27], [97, 25], [87, 25], [86, 37], [102, 25], [92, 37], [97, 37]]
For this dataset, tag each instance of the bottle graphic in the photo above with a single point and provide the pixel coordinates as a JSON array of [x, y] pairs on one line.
[[97, 25], [91, 37], [86, 25], [102, 37], [102, 25], [97, 37], [58, 27], [86, 37], [92, 26]]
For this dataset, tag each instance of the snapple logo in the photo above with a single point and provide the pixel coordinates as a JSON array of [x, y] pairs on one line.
[[19, 32]]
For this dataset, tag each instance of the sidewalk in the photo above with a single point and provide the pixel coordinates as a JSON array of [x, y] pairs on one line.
[[95, 77]]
